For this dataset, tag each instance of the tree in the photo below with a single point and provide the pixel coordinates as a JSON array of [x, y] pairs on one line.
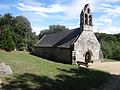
[[110, 44], [23, 33], [8, 42], [57, 28], [6, 20], [6, 27], [32, 41], [16, 32], [52, 29]]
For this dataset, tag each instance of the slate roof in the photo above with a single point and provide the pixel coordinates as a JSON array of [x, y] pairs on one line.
[[61, 39]]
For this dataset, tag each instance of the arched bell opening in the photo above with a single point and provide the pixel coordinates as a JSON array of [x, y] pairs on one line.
[[86, 19], [90, 20]]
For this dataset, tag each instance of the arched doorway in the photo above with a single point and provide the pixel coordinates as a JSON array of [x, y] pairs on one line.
[[88, 57]]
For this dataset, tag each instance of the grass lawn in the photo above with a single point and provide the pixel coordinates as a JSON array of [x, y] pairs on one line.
[[34, 73]]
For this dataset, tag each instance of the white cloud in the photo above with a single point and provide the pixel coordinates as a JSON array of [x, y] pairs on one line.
[[104, 20], [110, 10], [32, 17], [71, 11], [111, 30], [54, 8], [31, 2], [111, 1], [25, 7], [41, 14]]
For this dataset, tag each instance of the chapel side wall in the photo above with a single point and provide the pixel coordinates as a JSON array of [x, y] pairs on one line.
[[87, 41], [56, 54]]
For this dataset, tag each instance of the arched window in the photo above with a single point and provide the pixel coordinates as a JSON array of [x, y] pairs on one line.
[[86, 19], [90, 20]]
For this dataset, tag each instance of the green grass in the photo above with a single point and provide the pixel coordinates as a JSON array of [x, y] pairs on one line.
[[31, 73]]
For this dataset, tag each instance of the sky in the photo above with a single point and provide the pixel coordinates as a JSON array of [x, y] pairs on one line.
[[42, 13]]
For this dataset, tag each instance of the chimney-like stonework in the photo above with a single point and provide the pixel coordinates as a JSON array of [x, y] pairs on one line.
[[86, 18]]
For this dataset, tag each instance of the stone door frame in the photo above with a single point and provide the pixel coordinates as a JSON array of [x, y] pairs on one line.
[[88, 56]]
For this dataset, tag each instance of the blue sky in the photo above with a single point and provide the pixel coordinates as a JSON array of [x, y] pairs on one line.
[[42, 13]]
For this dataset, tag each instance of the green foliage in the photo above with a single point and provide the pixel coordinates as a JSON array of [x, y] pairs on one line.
[[23, 33], [16, 32], [6, 41], [6, 20], [21, 46], [57, 28], [52, 29], [33, 39], [110, 44]]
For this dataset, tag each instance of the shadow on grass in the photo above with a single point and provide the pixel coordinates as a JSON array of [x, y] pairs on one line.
[[73, 79]]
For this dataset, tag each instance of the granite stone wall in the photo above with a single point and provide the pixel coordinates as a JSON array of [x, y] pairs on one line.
[[87, 42]]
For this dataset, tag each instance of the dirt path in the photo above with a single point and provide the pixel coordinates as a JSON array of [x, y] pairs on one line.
[[113, 68]]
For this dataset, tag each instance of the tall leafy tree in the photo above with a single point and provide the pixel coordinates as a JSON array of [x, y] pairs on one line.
[[57, 28], [7, 42], [23, 33], [6, 29], [15, 32], [32, 41]]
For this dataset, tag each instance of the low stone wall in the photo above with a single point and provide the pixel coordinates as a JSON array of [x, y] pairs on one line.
[[56, 54]]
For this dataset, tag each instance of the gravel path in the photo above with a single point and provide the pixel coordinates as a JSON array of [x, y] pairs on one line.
[[113, 68]]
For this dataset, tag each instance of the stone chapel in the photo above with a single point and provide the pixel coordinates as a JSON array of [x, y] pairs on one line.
[[79, 44]]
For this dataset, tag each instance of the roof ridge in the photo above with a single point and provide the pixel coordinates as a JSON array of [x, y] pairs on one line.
[[61, 31]]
